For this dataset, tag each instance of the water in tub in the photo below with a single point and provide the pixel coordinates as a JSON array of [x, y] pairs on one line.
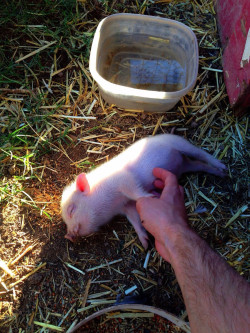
[[143, 62]]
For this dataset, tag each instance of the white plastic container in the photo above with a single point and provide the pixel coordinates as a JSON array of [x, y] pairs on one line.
[[143, 62]]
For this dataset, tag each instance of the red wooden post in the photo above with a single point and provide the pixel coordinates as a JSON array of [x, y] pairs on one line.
[[233, 18]]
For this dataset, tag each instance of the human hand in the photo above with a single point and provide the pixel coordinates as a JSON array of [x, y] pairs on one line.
[[166, 216]]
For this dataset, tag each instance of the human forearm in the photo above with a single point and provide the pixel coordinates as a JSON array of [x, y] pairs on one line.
[[216, 297]]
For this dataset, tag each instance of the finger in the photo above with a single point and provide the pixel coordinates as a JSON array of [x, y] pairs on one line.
[[170, 182], [144, 207], [149, 224], [159, 184], [181, 191], [166, 176], [140, 204], [160, 173]]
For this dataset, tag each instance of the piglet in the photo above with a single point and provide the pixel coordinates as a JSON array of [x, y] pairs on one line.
[[93, 199]]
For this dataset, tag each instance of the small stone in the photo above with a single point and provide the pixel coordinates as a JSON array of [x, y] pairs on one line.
[[194, 124], [13, 170], [45, 175], [36, 278]]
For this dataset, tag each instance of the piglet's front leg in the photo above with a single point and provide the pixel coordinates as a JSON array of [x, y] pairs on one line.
[[134, 218], [132, 188]]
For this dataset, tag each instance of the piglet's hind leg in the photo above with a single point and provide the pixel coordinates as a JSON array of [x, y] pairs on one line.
[[134, 218], [195, 165]]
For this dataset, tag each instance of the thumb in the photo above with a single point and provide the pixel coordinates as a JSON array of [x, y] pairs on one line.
[[143, 206], [140, 203], [147, 213]]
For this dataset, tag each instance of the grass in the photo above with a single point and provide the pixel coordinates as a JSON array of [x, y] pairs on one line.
[[26, 27], [50, 108], [21, 22]]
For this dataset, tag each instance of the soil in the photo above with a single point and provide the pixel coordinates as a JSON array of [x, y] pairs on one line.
[[55, 293], [56, 287]]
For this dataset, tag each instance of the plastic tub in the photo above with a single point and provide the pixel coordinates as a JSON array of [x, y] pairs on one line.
[[143, 62]]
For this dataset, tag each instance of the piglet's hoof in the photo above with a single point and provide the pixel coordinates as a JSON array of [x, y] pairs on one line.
[[72, 238], [143, 236]]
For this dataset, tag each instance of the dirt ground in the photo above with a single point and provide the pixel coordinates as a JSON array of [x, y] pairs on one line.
[[56, 285], [55, 288]]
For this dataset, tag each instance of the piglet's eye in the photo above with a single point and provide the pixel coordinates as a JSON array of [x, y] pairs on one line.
[[71, 210]]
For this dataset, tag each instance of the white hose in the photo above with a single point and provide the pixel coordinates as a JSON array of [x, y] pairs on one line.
[[175, 320]]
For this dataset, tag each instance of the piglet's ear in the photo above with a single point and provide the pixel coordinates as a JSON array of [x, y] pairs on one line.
[[82, 183]]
